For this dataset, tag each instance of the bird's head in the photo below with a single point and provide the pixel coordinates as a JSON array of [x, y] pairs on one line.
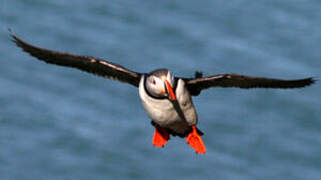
[[160, 83]]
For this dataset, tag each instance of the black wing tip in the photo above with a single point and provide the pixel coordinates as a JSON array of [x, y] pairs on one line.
[[311, 80], [19, 42], [11, 33], [301, 83], [14, 38]]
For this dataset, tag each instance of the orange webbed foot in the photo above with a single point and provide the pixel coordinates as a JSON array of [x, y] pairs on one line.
[[195, 141], [161, 136]]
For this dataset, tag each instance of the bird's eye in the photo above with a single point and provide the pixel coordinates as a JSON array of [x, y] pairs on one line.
[[153, 81]]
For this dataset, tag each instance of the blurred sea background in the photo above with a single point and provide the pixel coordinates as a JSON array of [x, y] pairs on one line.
[[60, 123]]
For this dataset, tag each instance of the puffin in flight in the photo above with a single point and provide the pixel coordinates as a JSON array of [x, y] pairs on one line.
[[166, 98]]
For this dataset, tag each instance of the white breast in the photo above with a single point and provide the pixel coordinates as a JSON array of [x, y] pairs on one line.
[[164, 113]]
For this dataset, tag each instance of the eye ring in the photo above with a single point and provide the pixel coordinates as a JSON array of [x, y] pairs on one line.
[[153, 81]]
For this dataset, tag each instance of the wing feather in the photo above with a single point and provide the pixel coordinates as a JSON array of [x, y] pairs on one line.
[[85, 63], [196, 85]]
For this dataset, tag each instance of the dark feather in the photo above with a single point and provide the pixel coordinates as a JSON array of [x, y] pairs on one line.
[[196, 85], [86, 63]]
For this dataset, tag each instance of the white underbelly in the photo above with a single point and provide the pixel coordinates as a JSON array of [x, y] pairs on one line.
[[177, 117]]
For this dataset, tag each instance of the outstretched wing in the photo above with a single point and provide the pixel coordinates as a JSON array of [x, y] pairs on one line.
[[86, 63], [196, 85]]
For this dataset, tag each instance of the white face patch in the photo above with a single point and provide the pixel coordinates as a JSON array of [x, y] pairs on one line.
[[155, 83], [155, 86]]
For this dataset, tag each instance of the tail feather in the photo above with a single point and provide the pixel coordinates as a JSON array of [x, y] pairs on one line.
[[181, 135]]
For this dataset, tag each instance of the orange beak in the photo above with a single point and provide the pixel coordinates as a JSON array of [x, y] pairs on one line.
[[170, 91]]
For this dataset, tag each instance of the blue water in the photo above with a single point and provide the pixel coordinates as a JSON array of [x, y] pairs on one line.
[[59, 123]]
